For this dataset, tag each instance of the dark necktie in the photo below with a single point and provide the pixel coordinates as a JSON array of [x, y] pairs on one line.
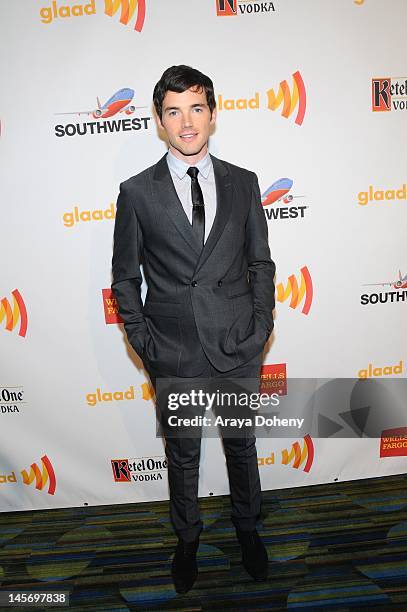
[[198, 209]]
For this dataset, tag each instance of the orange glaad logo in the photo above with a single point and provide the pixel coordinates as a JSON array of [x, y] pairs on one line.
[[127, 10], [297, 292], [14, 314], [41, 477], [289, 100], [296, 457]]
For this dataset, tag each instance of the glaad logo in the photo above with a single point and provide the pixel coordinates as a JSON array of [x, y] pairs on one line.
[[14, 314], [41, 478], [119, 102], [278, 193], [128, 8], [67, 11], [77, 216], [295, 456], [229, 8], [143, 469], [382, 195], [388, 370], [288, 99], [297, 293], [383, 90], [387, 296]]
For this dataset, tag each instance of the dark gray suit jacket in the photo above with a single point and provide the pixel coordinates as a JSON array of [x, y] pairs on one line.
[[217, 300]]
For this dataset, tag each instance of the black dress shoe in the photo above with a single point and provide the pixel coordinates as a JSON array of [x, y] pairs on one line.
[[184, 567], [254, 554]]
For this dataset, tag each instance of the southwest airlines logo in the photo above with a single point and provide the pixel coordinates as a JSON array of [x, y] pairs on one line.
[[278, 193], [120, 102], [296, 457], [14, 314], [127, 9], [41, 477], [289, 100], [297, 292]]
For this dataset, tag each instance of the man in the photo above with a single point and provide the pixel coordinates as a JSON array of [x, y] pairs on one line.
[[198, 227]]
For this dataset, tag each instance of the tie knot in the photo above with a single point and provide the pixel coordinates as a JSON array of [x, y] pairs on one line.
[[193, 172]]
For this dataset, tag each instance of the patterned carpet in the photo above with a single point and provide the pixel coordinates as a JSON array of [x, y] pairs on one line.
[[335, 547]]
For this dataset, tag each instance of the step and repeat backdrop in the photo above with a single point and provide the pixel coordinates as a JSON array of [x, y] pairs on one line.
[[312, 96]]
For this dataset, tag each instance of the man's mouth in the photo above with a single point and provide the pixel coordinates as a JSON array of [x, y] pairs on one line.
[[187, 137]]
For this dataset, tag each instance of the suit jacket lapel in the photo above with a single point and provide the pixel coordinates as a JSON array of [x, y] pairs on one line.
[[167, 196], [223, 209]]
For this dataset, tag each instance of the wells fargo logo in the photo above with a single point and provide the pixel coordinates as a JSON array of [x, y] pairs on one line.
[[389, 93], [297, 292], [393, 442], [382, 195], [273, 378], [288, 99], [13, 315], [296, 457], [47, 475], [127, 9], [110, 307]]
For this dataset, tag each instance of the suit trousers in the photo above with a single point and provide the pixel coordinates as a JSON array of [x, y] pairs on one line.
[[183, 457]]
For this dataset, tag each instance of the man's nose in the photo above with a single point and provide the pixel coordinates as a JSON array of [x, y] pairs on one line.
[[186, 120]]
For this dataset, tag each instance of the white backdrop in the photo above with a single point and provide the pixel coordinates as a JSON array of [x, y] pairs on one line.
[[74, 396]]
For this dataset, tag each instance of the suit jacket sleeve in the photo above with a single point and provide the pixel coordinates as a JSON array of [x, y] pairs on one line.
[[127, 279], [261, 266]]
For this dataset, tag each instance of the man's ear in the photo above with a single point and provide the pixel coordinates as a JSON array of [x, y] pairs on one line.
[[214, 115]]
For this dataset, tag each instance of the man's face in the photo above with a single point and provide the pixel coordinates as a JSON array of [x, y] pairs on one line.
[[187, 120]]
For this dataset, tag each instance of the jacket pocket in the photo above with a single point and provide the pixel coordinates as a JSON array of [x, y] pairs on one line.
[[240, 293]]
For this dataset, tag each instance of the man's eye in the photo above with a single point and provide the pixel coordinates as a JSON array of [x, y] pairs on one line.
[[172, 113], [198, 110]]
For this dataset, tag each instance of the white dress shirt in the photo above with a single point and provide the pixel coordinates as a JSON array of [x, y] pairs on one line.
[[182, 183]]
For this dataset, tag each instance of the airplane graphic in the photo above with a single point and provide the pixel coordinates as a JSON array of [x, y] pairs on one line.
[[401, 283], [278, 191], [118, 103]]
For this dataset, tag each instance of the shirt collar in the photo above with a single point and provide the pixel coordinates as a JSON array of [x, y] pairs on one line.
[[180, 167]]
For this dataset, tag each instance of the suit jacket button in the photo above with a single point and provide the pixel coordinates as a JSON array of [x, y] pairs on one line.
[[194, 283], [219, 283]]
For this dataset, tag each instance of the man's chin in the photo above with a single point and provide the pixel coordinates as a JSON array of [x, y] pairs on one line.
[[190, 151]]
